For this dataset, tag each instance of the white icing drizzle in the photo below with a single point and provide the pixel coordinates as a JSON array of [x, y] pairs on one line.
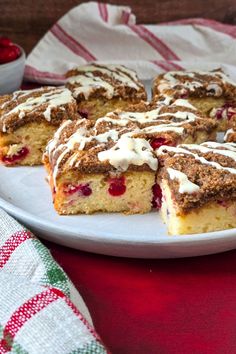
[[183, 149], [54, 98], [183, 103], [129, 151], [89, 82], [209, 148], [185, 185]]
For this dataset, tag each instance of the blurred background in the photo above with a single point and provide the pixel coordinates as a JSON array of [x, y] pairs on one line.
[[25, 21]]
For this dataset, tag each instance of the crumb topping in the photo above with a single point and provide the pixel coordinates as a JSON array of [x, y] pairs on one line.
[[208, 173], [181, 84], [52, 104], [121, 140], [104, 80]]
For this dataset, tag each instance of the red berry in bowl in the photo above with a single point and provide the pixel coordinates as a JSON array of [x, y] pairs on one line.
[[8, 54], [5, 42]]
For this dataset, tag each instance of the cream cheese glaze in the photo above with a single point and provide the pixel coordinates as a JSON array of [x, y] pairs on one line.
[[185, 185]]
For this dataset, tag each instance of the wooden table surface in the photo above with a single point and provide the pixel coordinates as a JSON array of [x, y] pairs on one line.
[[25, 21]]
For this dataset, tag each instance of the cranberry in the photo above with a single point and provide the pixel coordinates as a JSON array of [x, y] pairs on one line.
[[8, 54], [21, 154], [184, 95], [157, 142], [223, 203], [82, 189], [231, 111], [117, 186], [83, 113], [157, 196], [5, 42], [219, 113]]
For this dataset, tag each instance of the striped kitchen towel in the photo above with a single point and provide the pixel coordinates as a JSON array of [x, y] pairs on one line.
[[40, 309], [104, 33]]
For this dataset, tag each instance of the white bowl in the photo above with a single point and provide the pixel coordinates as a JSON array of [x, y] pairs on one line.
[[11, 74]]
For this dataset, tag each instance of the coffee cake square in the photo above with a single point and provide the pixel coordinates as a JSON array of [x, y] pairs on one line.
[[28, 120], [198, 186], [100, 89]]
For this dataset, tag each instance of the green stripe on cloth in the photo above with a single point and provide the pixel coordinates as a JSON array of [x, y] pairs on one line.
[[13, 346], [90, 348], [54, 274]]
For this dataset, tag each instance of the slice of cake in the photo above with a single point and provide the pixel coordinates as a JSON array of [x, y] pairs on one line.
[[198, 184], [96, 168], [100, 89], [28, 120], [213, 92], [109, 165]]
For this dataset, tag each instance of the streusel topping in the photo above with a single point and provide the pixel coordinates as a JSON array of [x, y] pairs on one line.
[[104, 80], [52, 104], [182, 84], [121, 140], [198, 174]]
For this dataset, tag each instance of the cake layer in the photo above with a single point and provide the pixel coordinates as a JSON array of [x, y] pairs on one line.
[[130, 192], [25, 146], [100, 89], [198, 179]]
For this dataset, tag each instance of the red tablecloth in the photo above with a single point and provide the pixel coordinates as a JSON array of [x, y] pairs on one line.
[[178, 306]]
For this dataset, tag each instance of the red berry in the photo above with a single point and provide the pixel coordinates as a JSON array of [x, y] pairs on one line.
[[117, 186], [157, 142], [84, 113], [82, 189], [5, 42], [8, 54], [21, 154], [85, 190], [157, 196], [219, 113]]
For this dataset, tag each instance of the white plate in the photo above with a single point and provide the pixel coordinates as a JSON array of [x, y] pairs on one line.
[[25, 194]]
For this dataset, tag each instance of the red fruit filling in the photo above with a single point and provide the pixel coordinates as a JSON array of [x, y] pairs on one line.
[[157, 142], [84, 113], [82, 189], [157, 196], [117, 186], [20, 155], [226, 111], [184, 95]]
